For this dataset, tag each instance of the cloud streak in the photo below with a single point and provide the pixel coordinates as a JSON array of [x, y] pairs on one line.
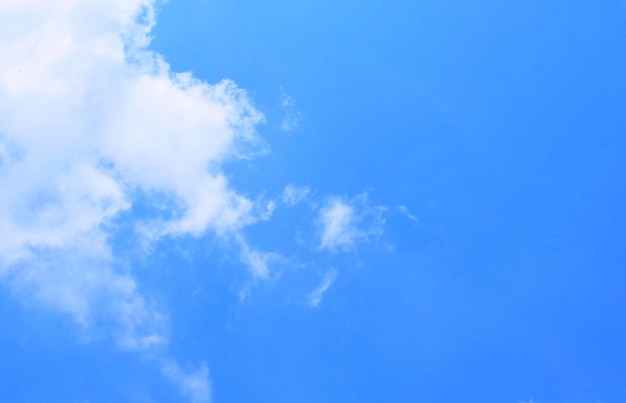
[[405, 211], [315, 297]]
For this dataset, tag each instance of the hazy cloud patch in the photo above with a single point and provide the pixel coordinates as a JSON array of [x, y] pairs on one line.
[[292, 117], [196, 385], [293, 195], [344, 223]]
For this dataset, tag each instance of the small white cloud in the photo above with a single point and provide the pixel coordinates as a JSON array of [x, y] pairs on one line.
[[293, 195], [292, 117], [404, 210], [338, 225], [285, 100], [196, 385], [258, 262], [268, 211], [291, 121], [315, 297], [344, 223]]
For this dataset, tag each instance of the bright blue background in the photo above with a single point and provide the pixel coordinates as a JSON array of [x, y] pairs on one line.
[[500, 124]]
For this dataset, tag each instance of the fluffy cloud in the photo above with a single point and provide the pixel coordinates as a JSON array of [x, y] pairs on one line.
[[89, 120], [346, 222], [94, 127]]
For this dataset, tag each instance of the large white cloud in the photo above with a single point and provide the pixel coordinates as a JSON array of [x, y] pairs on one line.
[[89, 119], [93, 123]]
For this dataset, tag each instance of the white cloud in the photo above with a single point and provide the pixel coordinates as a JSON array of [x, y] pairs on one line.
[[78, 281], [338, 224], [292, 116], [194, 384], [293, 195], [258, 262], [347, 222], [89, 119], [315, 297], [285, 99], [266, 213], [291, 121]]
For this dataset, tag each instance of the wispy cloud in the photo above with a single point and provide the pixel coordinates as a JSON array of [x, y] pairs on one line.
[[267, 210], [405, 211], [80, 282], [293, 195], [292, 116], [346, 222], [258, 262], [315, 297], [196, 385]]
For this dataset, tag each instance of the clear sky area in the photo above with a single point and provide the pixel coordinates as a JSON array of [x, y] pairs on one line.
[[313, 201]]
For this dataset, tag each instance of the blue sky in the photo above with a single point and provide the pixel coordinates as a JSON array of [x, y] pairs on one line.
[[380, 201]]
